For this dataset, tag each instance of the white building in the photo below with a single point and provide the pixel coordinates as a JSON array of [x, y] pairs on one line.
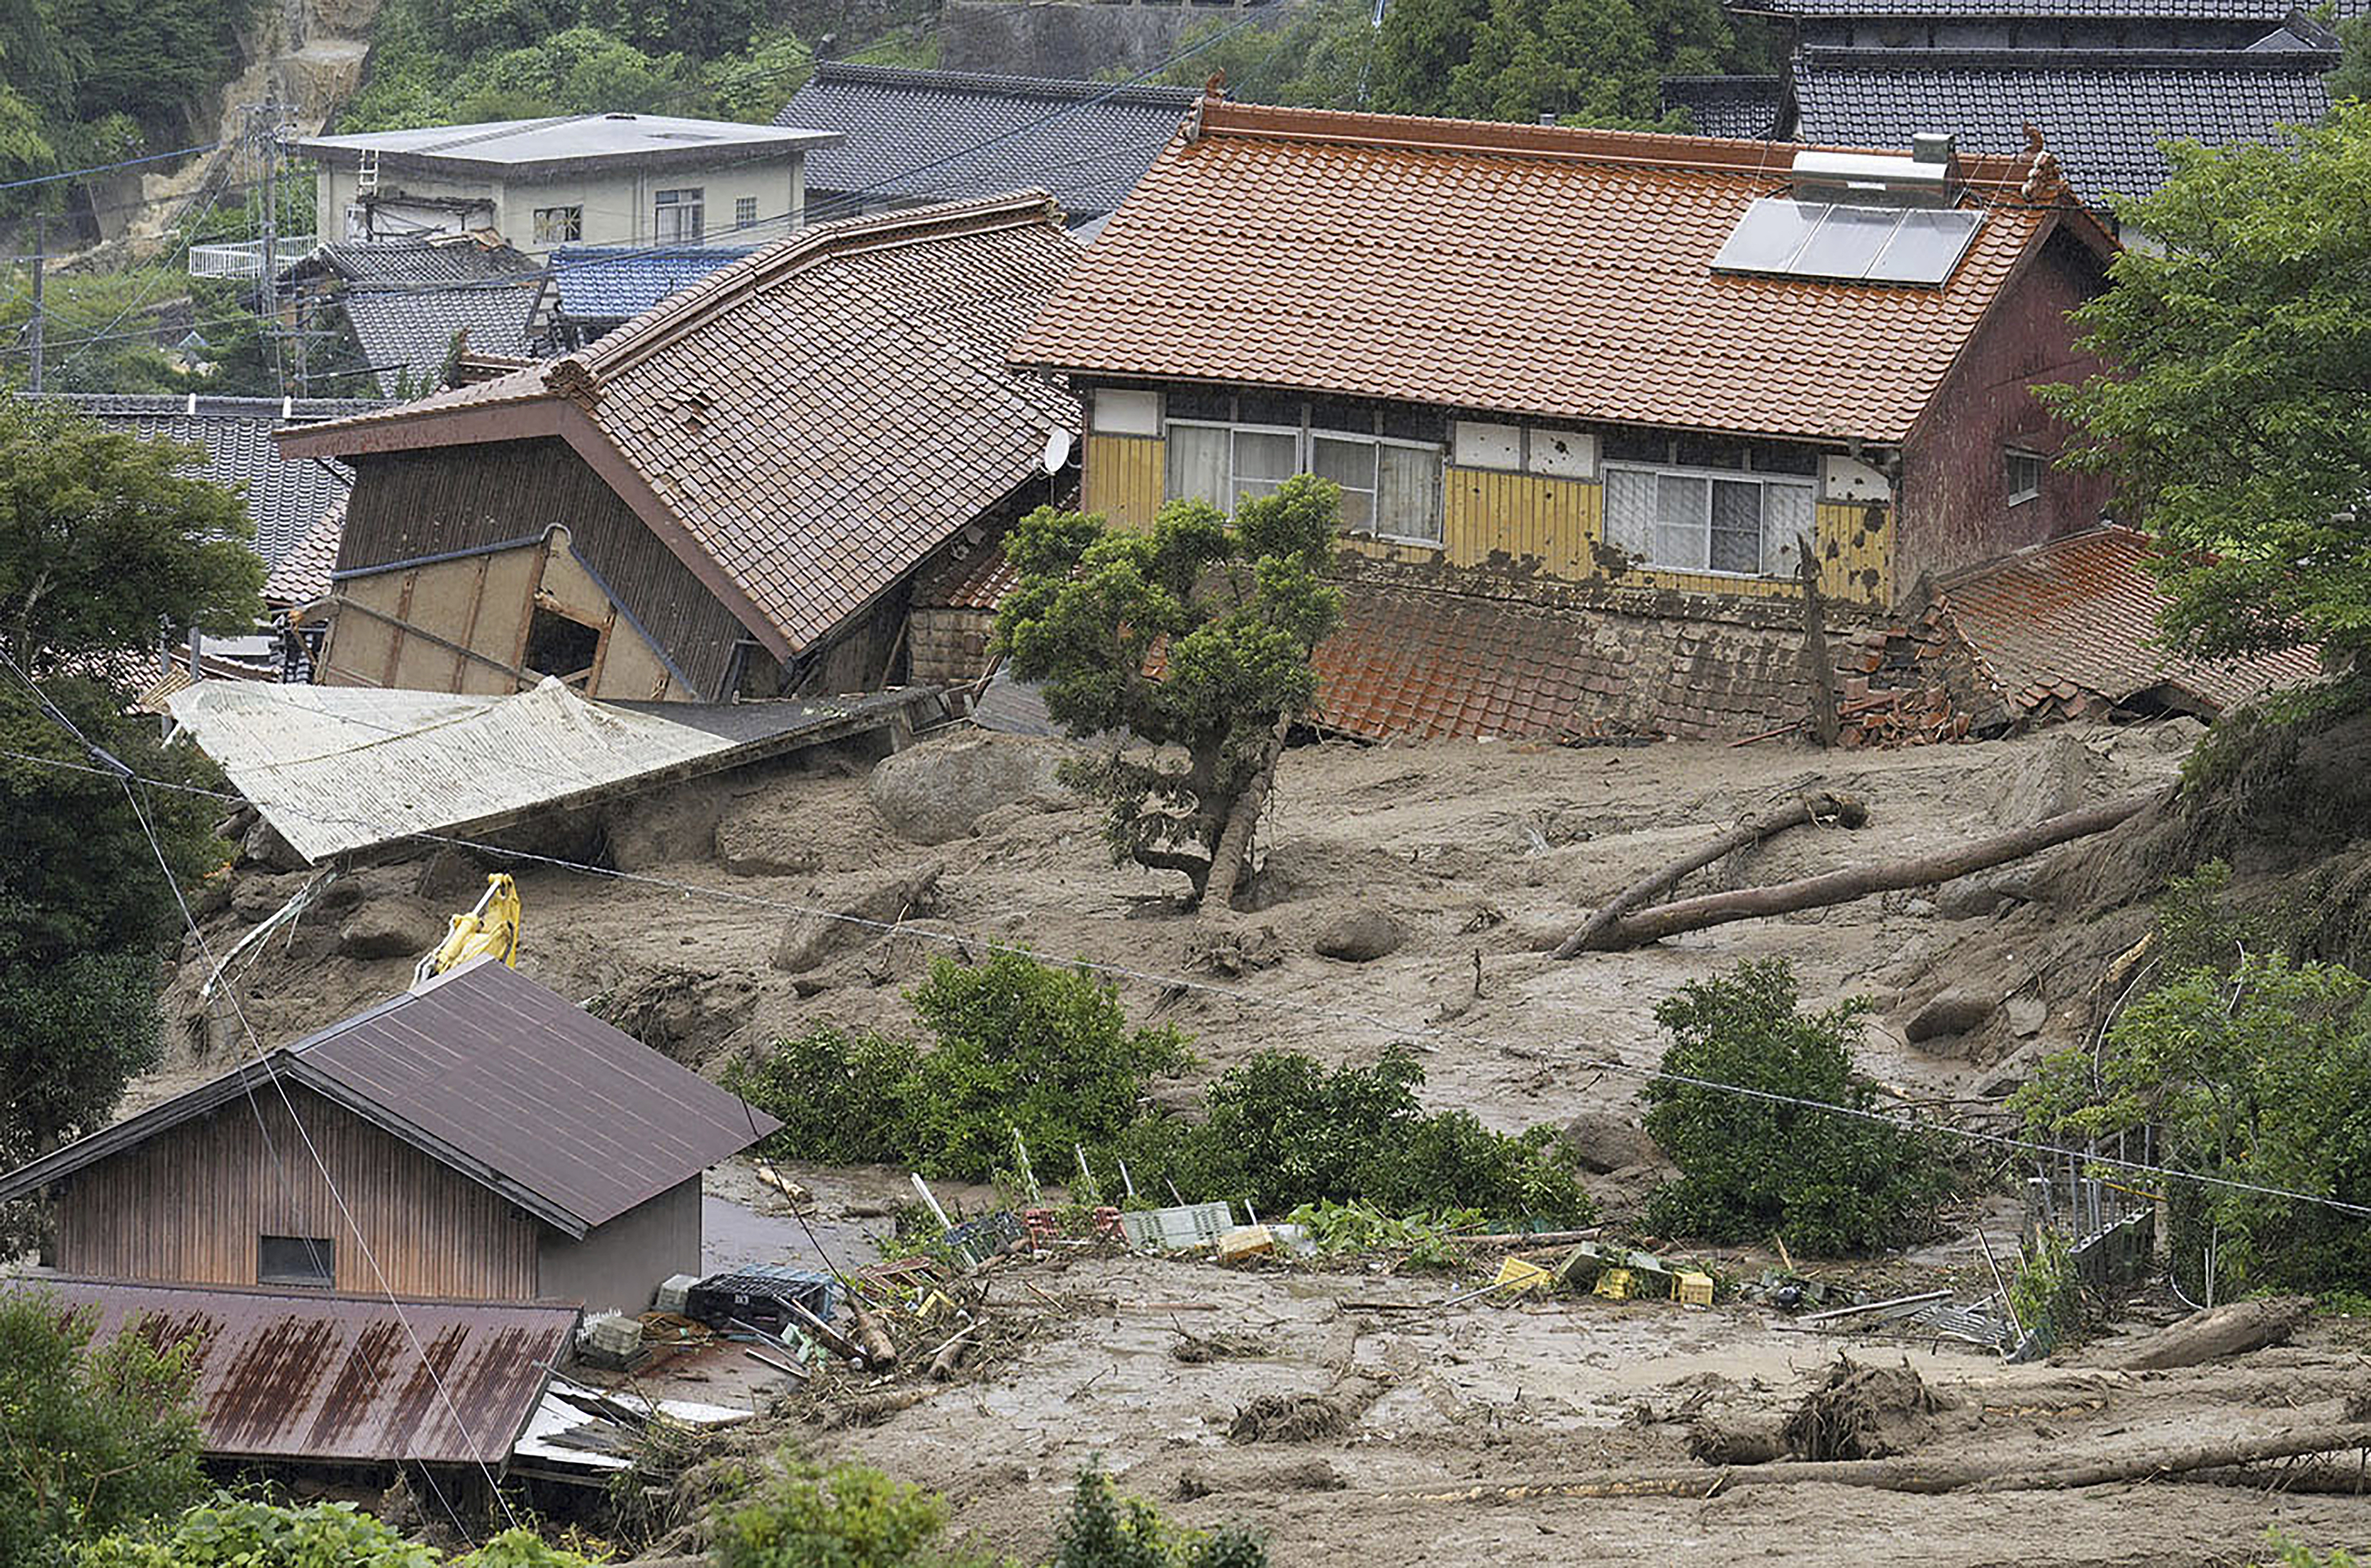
[[586, 178]]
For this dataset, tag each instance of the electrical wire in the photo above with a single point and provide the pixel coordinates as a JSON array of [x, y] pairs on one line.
[[109, 168], [125, 776], [967, 942]]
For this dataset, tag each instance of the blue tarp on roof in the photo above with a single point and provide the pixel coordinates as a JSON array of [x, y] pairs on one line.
[[613, 282]]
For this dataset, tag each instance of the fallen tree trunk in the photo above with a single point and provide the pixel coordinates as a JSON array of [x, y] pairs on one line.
[[2220, 1333], [1923, 1476], [1850, 811], [1860, 881]]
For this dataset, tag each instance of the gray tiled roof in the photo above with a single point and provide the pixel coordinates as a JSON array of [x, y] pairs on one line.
[[617, 282], [1745, 108], [950, 133], [410, 331], [410, 263], [2104, 113], [286, 499]]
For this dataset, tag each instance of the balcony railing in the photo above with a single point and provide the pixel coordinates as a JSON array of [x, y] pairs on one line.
[[244, 258]]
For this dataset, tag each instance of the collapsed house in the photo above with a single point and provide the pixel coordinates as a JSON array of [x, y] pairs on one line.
[[729, 496], [1590, 396]]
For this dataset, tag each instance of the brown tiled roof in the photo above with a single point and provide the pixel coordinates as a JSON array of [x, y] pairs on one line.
[[299, 1375], [978, 581], [302, 575], [1418, 665], [1529, 269], [822, 414], [2079, 615]]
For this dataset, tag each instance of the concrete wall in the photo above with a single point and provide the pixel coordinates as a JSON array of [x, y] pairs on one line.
[[620, 207], [1075, 40], [1955, 507], [618, 1266]]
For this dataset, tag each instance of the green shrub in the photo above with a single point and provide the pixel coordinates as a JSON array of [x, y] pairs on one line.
[[246, 1532], [1103, 1530], [1750, 1167], [1017, 1045], [849, 1518], [1281, 1130], [2295, 1553], [93, 1438]]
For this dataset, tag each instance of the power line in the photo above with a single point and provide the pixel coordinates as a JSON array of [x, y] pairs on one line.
[[109, 167], [126, 776], [967, 942]]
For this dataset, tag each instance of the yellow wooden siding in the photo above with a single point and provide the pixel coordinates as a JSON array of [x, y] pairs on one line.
[[1123, 478], [1543, 527]]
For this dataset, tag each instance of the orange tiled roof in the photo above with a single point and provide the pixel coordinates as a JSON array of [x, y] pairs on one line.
[[820, 415], [2079, 613], [1529, 269]]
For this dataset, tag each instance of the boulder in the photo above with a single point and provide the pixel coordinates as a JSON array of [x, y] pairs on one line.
[[2027, 1015], [254, 899], [1955, 1009], [400, 927], [1603, 1142], [264, 847], [811, 940], [1359, 936], [936, 792]]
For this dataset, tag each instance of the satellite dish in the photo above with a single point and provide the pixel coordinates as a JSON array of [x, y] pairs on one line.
[[1058, 450]]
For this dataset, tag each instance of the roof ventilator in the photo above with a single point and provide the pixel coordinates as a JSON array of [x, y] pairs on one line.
[[1859, 217]]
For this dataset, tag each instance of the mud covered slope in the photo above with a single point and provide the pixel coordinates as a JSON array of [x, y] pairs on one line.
[[1478, 854]]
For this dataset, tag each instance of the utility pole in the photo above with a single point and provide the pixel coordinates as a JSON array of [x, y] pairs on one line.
[[266, 147], [40, 254]]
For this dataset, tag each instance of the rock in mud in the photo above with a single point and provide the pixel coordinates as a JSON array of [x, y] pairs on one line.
[[1956, 1010], [1294, 1475], [392, 927], [755, 845], [2027, 1015], [1604, 1143], [936, 792], [811, 940], [1359, 936]]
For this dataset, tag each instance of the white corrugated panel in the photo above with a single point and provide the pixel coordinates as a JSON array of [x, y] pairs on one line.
[[334, 769]]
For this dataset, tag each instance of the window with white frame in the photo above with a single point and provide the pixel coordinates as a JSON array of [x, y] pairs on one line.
[[1391, 485], [558, 226], [2021, 471], [1708, 520], [745, 212], [677, 216]]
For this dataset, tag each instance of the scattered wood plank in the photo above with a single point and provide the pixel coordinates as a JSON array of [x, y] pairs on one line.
[[1857, 882], [1847, 810]]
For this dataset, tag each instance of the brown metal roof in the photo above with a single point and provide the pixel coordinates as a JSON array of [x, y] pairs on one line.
[[495, 1075], [297, 1375], [2080, 614]]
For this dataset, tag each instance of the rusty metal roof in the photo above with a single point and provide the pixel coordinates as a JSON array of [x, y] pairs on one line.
[[2080, 614], [1530, 270], [298, 1375], [505, 1081]]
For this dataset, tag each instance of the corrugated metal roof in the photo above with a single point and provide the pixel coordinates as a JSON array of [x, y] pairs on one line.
[[296, 1375], [336, 768], [502, 1080]]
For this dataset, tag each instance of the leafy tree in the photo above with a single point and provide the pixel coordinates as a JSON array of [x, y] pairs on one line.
[[92, 1438], [101, 542], [1232, 608], [1827, 1183], [1103, 1530], [2234, 411], [2259, 1073], [2352, 77], [1581, 61], [1319, 56]]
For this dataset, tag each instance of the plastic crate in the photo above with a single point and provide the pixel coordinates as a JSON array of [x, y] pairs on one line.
[[978, 1241], [675, 1294], [1174, 1229], [760, 1297]]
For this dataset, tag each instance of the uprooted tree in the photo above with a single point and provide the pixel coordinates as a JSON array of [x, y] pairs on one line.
[[1229, 613]]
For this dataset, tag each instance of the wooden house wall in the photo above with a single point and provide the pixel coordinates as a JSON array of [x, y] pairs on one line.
[[191, 1203], [413, 507], [1532, 527], [1954, 487]]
